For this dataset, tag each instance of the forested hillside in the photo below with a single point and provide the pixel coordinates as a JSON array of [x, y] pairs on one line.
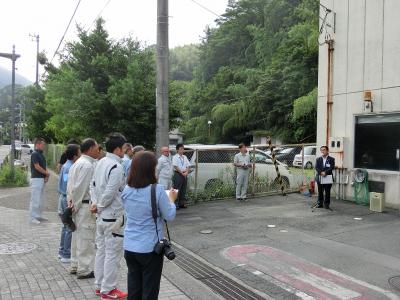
[[257, 71]]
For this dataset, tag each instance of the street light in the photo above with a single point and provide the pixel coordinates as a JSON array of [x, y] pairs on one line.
[[209, 128], [13, 58]]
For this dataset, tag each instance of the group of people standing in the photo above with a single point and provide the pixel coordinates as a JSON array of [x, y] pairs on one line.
[[109, 200]]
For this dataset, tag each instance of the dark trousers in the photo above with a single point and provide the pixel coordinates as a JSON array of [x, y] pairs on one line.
[[144, 275], [180, 183], [324, 189]]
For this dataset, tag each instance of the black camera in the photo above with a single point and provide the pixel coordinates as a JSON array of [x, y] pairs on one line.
[[164, 246]]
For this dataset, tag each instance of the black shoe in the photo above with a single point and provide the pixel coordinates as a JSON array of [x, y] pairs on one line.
[[87, 276], [183, 206], [320, 206]]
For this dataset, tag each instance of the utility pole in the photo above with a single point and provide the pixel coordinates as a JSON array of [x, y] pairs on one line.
[[13, 58], [162, 111], [36, 36]]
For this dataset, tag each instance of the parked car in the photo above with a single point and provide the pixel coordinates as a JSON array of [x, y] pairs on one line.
[[215, 166], [287, 155], [27, 148], [309, 157]]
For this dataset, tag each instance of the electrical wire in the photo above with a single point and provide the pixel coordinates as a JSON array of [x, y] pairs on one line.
[[99, 14], [65, 32], [206, 8], [62, 38], [324, 25]]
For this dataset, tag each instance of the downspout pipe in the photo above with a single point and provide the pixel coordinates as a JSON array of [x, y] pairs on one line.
[[329, 97]]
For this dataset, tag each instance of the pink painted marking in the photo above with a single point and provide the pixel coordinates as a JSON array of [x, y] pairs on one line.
[[241, 254], [303, 286]]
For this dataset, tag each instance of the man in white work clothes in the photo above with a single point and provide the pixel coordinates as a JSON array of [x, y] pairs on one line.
[[107, 185], [78, 195], [243, 165], [164, 168]]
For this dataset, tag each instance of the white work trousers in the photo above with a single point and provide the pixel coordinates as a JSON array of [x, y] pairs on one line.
[[109, 244], [36, 204], [242, 181], [83, 241], [166, 182]]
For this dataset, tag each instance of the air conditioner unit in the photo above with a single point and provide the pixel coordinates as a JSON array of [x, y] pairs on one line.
[[376, 201]]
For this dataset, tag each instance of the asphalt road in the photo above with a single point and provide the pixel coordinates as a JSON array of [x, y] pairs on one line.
[[279, 246]]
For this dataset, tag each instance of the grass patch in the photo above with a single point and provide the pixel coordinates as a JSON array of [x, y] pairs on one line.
[[20, 177], [310, 173]]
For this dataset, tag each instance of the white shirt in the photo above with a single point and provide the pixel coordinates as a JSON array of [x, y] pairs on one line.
[[324, 161], [242, 160], [181, 162], [164, 167]]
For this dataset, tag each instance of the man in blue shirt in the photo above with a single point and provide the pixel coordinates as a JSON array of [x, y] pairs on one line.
[[72, 153], [127, 159]]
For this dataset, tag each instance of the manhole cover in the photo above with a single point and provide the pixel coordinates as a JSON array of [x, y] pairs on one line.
[[395, 282], [206, 231], [16, 248]]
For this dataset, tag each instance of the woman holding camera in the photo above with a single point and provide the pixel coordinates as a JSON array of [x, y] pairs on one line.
[[142, 233]]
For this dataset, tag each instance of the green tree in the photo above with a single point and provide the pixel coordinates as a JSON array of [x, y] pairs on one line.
[[36, 113], [261, 58], [102, 86]]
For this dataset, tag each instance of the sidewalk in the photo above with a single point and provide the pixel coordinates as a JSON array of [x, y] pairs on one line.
[[38, 274]]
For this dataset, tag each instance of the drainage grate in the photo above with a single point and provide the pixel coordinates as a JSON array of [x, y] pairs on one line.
[[16, 248], [219, 283]]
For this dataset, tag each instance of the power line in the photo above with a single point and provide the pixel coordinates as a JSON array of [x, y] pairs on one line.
[[65, 32], [99, 14], [206, 8]]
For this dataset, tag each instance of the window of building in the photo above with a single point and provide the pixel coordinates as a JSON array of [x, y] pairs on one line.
[[377, 142]]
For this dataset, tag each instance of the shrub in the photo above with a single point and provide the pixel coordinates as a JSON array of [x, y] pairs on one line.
[[20, 177]]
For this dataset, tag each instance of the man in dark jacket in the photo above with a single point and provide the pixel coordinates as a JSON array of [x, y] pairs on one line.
[[324, 167]]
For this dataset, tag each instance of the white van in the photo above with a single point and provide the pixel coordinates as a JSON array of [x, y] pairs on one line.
[[309, 157], [215, 166]]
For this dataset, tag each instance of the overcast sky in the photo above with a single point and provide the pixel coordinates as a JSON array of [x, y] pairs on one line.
[[49, 18]]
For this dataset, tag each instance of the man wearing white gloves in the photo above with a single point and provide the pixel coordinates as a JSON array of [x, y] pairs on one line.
[[107, 185]]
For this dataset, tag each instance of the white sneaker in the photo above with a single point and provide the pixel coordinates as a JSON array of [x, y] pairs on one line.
[[35, 222], [65, 260]]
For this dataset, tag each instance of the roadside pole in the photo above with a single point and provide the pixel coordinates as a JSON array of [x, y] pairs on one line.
[[13, 58], [162, 112]]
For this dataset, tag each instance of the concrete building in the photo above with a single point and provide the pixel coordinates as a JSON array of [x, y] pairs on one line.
[[175, 137], [359, 90]]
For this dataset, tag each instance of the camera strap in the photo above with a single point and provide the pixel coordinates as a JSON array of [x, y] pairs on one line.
[[154, 206], [154, 210]]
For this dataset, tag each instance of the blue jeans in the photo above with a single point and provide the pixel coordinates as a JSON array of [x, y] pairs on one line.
[[66, 234]]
